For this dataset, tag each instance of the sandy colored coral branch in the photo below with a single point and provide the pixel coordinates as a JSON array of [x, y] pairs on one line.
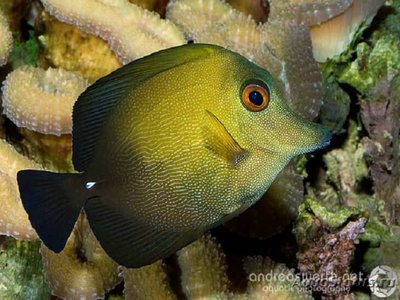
[[13, 218], [5, 39], [67, 47], [307, 12], [215, 22], [42, 100], [147, 283], [203, 268], [82, 270], [131, 31]]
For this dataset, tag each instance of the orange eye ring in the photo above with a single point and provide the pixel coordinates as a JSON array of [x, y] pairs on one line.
[[255, 97]]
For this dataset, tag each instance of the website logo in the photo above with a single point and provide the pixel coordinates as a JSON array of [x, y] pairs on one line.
[[383, 281]]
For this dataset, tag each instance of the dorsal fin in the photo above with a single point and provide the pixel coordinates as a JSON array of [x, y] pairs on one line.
[[93, 105]]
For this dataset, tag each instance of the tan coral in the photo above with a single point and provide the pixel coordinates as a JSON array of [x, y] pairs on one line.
[[13, 218], [42, 100], [131, 31], [82, 270], [333, 36], [67, 47], [203, 268], [210, 21], [147, 283], [5, 39]]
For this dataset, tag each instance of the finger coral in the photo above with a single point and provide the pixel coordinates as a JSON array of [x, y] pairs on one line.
[[204, 269], [82, 270], [231, 29], [5, 39], [13, 218], [42, 100], [307, 12], [69, 48], [147, 283], [131, 31]]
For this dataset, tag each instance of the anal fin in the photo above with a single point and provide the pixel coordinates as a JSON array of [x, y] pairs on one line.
[[129, 242]]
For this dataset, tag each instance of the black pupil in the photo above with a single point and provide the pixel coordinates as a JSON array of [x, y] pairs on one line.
[[256, 98]]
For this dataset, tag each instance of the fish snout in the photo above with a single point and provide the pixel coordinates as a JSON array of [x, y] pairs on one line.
[[326, 138], [313, 137]]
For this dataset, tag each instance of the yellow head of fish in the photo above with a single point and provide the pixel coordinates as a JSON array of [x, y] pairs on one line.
[[168, 146]]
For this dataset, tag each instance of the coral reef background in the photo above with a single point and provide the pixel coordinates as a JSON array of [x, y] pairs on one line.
[[335, 212]]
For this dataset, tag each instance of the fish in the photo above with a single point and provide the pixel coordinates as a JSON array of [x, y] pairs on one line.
[[166, 148]]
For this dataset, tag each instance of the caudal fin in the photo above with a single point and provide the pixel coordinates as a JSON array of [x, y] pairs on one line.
[[51, 204]]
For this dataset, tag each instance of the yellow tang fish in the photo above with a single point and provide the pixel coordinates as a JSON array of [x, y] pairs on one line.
[[168, 147]]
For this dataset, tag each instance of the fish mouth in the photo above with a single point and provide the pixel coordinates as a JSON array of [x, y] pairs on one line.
[[319, 139], [326, 139]]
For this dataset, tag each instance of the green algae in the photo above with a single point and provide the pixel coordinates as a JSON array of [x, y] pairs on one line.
[[25, 52], [21, 271], [373, 64]]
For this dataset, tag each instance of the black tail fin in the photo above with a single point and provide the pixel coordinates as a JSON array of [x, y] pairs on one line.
[[51, 203]]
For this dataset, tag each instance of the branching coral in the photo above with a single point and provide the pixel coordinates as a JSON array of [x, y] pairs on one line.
[[13, 218], [42, 100], [147, 283], [71, 49], [203, 268], [131, 31], [307, 12], [82, 270], [5, 39]]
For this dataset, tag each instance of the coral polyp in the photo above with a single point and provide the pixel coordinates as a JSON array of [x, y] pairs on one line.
[[42, 100]]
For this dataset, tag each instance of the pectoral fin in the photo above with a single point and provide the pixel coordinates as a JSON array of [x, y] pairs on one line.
[[220, 141]]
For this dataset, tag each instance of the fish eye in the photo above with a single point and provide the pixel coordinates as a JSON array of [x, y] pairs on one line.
[[255, 97]]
